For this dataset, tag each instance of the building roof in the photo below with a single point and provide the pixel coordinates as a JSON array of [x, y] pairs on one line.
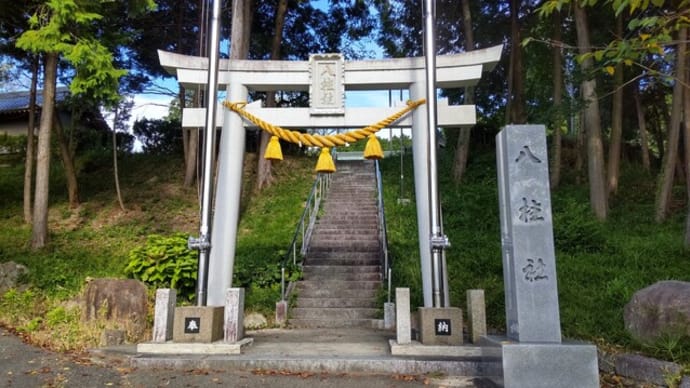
[[18, 102]]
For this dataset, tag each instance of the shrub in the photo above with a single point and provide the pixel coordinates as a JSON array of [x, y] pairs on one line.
[[165, 262]]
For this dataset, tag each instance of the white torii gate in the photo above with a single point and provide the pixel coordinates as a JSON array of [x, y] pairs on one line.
[[327, 110]]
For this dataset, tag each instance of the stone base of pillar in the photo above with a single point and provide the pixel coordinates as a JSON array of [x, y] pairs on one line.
[[198, 324], [440, 326], [566, 364]]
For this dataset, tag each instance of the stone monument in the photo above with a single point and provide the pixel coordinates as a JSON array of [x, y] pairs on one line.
[[533, 354]]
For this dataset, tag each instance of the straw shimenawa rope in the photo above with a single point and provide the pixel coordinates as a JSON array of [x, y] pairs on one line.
[[316, 140]]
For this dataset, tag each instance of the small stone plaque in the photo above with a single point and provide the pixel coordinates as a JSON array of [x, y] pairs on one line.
[[327, 87], [192, 325], [443, 326]]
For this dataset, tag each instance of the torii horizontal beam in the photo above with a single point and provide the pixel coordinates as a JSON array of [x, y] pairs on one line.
[[449, 116]]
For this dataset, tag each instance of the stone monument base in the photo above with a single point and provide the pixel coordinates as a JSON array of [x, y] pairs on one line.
[[198, 324], [547, 365], [440, 326]]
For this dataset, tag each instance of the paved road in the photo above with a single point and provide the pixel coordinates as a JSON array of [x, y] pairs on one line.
[[23, 365]]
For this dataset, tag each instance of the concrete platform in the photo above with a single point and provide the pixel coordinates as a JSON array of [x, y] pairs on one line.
[[346, 350], [416, 348], [170, 347]]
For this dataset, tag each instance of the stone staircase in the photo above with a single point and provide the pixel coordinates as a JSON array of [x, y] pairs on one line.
[[342, 268]]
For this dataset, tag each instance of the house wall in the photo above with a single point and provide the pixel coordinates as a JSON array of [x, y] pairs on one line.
[[13, 128]]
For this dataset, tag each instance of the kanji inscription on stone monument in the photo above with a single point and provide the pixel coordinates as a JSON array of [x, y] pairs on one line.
[[327, 89], [529, 262]]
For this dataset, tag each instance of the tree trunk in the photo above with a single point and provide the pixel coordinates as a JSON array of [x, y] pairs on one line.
[[686, 137], [67, 163], [580, 148], [191, 143], [592, 124], [642, 124], [30, 143], [516, 113], [241, 31], [264, 176], [116, 172], [39, 231], [616, 121], [556, 145], [180, 49], [663, 200], [191, 156], [462, 148]]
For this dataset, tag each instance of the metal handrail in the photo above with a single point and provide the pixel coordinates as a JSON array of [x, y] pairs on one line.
[[383, 230], [305, 226]]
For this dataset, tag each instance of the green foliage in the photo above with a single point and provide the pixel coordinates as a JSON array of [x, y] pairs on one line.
[[672, 346], [648, 39], [69, 28], [13, 304], [12, 144], [165, 262], [159, 137], [575, 229]]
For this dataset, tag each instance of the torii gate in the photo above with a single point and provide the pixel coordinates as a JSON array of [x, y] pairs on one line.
[[326, 77]]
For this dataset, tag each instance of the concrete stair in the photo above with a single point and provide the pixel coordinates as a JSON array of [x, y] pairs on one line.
[[342, 268]]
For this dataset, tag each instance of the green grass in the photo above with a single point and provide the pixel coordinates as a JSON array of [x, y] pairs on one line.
[[600, 265]]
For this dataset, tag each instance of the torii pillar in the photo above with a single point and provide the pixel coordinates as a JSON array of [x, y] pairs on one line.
[[239, 76]]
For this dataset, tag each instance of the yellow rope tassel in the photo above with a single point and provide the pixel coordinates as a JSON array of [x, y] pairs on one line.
[[373, 148], [273, 151], [325, 162]]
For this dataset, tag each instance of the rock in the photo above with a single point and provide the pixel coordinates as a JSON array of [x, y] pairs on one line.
[[123, 301], [660, 309], [607, 362], [10, 275], [111, 337], [645, 369], [685, 382], [253, 321]]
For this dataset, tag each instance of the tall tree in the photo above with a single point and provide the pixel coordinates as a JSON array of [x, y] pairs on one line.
[[642, 127], [557, 60], [39, 230], [264, 176], [615, 141], [515, 110], [663, 200], [67, 162], [191, 136], [462, 148], [68, 28], [592, 120], [30, 142], [686, 138]]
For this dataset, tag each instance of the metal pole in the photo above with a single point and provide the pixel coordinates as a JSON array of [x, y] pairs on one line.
[[438, 241], [203, 243]]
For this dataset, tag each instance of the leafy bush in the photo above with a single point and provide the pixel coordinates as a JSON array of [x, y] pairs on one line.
[[165, 262]]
